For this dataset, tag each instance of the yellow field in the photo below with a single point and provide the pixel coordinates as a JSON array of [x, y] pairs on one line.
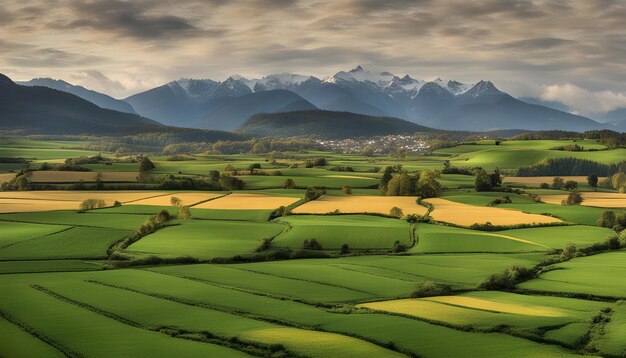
[[247, 202], [24, 205], [538, 180], [6, 177], [479, 303], [51, 176], [318, 344], [361, 204], [74, 195], [454, 309], [466, 215], [602, 200], [188, 199]]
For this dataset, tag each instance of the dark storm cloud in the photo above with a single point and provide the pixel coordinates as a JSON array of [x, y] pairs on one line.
[[541, 43]]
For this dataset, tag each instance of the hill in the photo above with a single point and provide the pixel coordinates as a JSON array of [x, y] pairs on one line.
[[97, 98], [45, 110], [327, 124]]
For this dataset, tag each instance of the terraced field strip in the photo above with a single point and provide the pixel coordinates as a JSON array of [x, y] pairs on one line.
[[188, 199], [146, 311], [466, 215], [332, 231], [32, 205], [6, 177], [52, 176], [74, 195], [206, 238], [94, 219], [238, 201], [16, 342], [74, 329], [361, 204], [13, 232], [597, 199], [581, 179]]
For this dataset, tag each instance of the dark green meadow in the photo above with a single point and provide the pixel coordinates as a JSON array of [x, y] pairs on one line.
[[126, 281]]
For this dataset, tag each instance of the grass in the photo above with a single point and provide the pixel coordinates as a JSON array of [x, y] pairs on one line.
[[73, 328], [72, 218], [613, 341], [77, 242], [16, 342], [358, 231], [585, 276], [72, 177], [206, 239], [32, 266], [13, 232], [361, 204]]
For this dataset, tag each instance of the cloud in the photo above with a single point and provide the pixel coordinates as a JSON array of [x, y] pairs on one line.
[[583, 101]]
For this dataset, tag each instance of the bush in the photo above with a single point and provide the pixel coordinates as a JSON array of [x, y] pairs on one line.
[[117, 204], [175, 201], [506, 279], [312, 194], [607, 219], [573, 198], [482, 182], [289, 184], [568, 252], [398, 247], [229, 182], [184, 213], [570, 185], [557, 183], [345, 249], [430, 289], [89, 204], [265, 244], [146, 164], [347, 190], [501, 200], [312, 244], [396, 212], [316, 162], [544, 186]]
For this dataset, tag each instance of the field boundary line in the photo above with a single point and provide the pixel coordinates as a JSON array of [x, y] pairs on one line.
[[209, 199], [147, 197], [38, 237], [40, 336]]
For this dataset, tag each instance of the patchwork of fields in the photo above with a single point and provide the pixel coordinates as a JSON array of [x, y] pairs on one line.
[[331, 276]]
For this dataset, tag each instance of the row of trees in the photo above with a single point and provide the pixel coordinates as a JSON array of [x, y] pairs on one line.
[[570, 166], [422, 184]]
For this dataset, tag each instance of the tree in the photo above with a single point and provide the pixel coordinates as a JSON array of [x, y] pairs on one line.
[[312, 193], [592, 180], [401, 185], [229, 182], [544, 186], [557, 183], [495, 178], [347, 190], [146, 165], [312, 244], [162, 217], [568, 252], [289, 184], [427, 186], [344, 250], [570, 185], [99, 185], [482, 181], [253, 166], [184, 213], [396, 212], [89, 204], [607, 219], [175, 201], [384, 181], [214, 175], [398, 247], [573, 198], [117, 204], [229, 168]]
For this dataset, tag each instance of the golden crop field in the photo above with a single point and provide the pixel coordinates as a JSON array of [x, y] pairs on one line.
[[188, 199], [108, 196], [466, 215], [4, 177], [449, 308], [247, 202], [361, 204], [52, 176], [348, 177], [8, 205], [538, 180], [602, 200]]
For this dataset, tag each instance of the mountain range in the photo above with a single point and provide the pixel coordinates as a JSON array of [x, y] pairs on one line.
[[39, 109], [440, 104], [449, 105]]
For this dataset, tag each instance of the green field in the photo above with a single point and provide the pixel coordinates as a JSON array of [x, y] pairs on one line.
[[69, 285], [358, 231]]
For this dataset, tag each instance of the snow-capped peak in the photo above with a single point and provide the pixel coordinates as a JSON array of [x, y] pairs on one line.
[[360, 74]]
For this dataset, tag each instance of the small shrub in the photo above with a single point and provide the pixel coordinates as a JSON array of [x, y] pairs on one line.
[[573, 198], [289, 184], [184, 213], [544, 186], [398, 247], [265, 244], [430, 289], [568, 252], [175, 201], [117, 204], [607, 219], [345, 249], [312, 244], [557, 183], [347, 190], [506, 279], [570, 185], [396, 212]]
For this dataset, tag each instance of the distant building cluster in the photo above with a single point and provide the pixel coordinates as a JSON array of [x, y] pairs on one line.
[[376, 145]]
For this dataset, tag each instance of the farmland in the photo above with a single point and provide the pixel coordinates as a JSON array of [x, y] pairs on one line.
[[318, 266]]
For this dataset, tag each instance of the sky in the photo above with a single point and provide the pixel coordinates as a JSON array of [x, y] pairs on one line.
[[573, 52]]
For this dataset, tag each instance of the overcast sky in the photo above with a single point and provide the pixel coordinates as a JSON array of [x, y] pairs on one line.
[[569, 51]]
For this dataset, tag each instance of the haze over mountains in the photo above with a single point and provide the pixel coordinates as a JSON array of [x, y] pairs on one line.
[[441, 104]]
